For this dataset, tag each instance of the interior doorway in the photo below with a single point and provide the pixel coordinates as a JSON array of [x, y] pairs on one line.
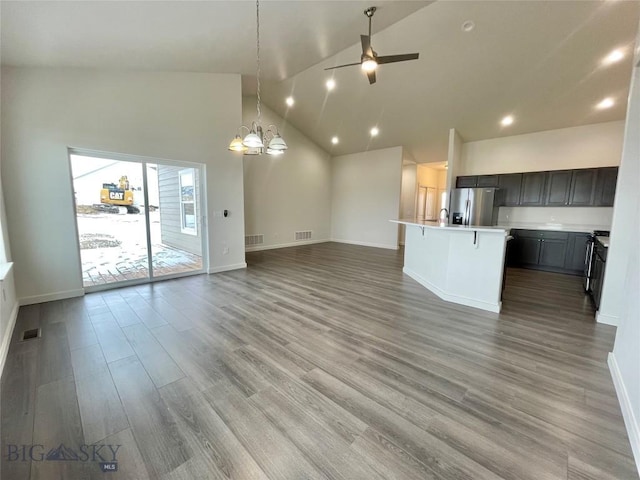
[[137, 220]]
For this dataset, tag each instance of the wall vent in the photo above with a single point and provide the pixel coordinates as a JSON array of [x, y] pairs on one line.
[[306, 235], [251, 240], [31, 334]]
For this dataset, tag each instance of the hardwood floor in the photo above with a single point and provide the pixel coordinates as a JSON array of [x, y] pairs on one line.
[[319, 361]]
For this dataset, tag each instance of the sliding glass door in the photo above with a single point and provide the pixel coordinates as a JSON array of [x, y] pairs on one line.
[[137, 220]]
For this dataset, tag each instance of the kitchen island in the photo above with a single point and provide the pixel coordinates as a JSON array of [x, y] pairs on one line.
[[460, 264]]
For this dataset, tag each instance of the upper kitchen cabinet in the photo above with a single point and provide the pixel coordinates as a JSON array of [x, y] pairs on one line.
[[467, 182], [583, 183], [510, 185], [605, 190], [487, 181], [558, 188], [532, 191]]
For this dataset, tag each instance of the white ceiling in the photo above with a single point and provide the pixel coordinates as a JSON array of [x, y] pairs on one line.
[[536, 60]]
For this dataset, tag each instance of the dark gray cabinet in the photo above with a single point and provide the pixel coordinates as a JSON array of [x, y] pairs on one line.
[[528, 251], [487, 180], [467, 182], [605, 190], [583, 183], [510, 184], [576, 252], [532, 190], [553, 251], [558, 188]]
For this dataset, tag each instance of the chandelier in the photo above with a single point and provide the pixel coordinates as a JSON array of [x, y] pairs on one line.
[[257, 141]]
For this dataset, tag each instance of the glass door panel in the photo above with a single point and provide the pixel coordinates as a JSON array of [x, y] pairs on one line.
[[112, 231], [175, 211]]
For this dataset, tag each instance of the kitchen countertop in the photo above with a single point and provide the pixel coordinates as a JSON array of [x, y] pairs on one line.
[[562, 227], [435, 224], [603, 240]]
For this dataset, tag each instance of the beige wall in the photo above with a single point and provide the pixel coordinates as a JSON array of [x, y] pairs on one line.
[[597, 145], [171, 115], [286, 193], [365, 195], [428, 177]]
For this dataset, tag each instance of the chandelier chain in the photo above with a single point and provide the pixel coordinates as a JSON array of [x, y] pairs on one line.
[[258, 55]]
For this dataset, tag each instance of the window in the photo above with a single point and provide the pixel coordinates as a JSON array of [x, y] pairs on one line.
[[187, 203]]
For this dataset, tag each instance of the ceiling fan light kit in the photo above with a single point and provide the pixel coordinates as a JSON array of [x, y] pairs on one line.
[[370, 60], [254, 142]]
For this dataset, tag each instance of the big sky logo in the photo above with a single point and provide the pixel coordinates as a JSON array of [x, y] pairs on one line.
[[105, 455]]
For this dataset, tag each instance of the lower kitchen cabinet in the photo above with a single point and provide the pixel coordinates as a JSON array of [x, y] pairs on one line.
[[527, 250], [576, 252], [554, 251]]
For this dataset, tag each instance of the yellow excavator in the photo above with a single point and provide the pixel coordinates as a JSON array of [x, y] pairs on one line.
[[118, 195]]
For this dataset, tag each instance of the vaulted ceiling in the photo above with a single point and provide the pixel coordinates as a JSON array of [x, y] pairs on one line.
[[539, 61]]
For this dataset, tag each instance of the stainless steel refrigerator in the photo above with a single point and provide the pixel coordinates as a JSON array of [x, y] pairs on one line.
[[474, 206]]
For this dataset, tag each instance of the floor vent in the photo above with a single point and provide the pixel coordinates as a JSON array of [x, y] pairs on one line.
[[306, 235], [250, 240], [31, 334]]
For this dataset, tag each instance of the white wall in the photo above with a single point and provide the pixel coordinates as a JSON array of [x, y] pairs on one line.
[[598, 145], [620, 296], [286, 193], [596, 218], [454, 159], [365, 195], [407, 196], [180, 116]]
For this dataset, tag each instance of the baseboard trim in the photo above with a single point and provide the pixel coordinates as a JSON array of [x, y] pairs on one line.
[[630, 421], [8, 333], [469, 302], [607, 319], [366, 244], [227, 268], [50, 297], [259, 248]]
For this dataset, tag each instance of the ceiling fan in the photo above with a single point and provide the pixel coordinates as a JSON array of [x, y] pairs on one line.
[[369, 60]]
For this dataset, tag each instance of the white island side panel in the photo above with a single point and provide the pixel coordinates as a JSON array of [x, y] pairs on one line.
[[447, 262]]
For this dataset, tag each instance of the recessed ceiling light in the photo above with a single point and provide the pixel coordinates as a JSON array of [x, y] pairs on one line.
[[613, 57], [331, 84], [374, 131], [335, 140], [506, 121], [606, 103], [468, 26], [290, 101]]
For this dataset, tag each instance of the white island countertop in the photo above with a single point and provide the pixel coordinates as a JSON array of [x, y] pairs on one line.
[[435, 224]]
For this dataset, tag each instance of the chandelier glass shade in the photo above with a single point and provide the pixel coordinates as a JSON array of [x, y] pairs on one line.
[[256, 139]]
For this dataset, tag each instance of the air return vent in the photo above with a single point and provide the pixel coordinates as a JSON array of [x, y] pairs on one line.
[[306, 235], [31, 334], [251, 240]]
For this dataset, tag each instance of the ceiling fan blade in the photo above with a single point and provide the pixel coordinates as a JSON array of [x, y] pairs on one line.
[[372, 77], [397, 58], [346, 65], [366, 45]]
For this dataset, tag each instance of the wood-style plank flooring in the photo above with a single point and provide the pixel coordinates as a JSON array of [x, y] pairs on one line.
[[319, 361]]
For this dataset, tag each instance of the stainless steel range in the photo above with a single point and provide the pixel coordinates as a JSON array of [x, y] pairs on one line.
[[590, 258]]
